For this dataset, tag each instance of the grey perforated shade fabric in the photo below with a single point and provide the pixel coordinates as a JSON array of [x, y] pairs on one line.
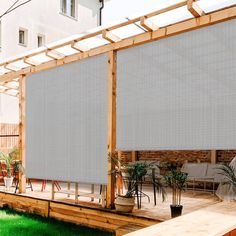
[[179, 93], [66, 122]]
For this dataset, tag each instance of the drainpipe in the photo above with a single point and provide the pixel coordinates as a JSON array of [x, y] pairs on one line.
[[100, 12]]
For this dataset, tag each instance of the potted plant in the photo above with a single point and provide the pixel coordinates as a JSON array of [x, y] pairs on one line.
[[132, 174], [8, 161], [176, 180], [11, 166], [229, 179]]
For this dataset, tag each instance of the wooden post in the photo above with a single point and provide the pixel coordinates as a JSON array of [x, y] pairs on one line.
[[213, 156], [134, 156], [76, 193], [22, 180], [119, 182], [68, 188], [110, 197], [53, 190]]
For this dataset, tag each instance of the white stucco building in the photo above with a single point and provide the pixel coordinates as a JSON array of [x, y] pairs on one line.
[[39, 22]]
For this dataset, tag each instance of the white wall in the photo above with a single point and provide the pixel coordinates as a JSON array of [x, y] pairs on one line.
[[39, 17], [9, 109], [43, 17]]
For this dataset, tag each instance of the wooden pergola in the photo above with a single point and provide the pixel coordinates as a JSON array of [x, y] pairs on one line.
[[13, 72]]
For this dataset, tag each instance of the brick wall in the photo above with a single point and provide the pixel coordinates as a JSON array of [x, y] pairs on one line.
[[181, 156], [226, 156]]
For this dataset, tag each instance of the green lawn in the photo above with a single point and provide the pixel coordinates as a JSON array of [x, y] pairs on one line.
[[15, 224]]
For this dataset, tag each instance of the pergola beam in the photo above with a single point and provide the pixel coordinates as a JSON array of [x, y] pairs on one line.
[[194, 9], [109, 36], [31, 62], [98, 32], [9, 94], [181, 27], [148, 24], [191, 24], [79, 47], [53, 54], [11, 67]]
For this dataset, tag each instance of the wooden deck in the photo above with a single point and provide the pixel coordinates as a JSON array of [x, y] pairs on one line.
[[216, 220], [91, 213]]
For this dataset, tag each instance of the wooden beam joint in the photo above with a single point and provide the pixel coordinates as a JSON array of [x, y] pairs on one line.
[[54, 54], [148, 24], [109, 36], [79, 47], [194, 9]]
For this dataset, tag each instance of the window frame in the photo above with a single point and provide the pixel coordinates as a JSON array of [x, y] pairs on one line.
[[64, 4], [25, 37], [42, 36]]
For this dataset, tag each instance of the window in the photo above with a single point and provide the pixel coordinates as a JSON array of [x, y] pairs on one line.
[[68, 7], [40, 40], [23, 37]]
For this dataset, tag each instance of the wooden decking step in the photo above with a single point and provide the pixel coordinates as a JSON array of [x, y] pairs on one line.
[[128, 228]]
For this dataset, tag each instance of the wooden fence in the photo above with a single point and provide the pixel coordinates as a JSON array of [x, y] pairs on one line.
[[9, 136]]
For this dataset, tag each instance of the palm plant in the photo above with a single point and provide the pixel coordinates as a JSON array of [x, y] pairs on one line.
[[229, 173], [176, 180], [135, 173], [9, 161]]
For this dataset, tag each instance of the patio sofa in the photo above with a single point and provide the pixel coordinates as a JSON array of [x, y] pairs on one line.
[[202, 173]]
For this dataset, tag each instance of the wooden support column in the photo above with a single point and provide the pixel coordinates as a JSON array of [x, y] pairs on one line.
[[112, 55], [213, 156], [22, 180], [134, 156]]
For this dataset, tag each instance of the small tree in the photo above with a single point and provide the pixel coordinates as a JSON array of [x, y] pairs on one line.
[[176, 180]]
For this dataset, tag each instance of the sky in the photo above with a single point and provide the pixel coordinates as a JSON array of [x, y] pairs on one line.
[[114, 12]]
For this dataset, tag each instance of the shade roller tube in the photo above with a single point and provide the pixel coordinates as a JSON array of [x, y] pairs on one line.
[[66, 122], [179, 93]]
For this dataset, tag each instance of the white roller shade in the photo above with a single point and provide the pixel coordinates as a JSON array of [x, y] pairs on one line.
[[179, 93], [66, 122]]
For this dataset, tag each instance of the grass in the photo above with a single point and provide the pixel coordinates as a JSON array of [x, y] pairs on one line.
[[19, 224]]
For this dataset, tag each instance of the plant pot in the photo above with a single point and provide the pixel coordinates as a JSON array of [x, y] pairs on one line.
[[8, 182], [124, 204], [176, 210]]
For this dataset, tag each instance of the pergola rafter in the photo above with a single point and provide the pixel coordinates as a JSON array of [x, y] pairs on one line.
[[111, 40]]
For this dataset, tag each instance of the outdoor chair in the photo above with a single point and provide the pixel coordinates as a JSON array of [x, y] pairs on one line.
[[202, 173], [212, 175], [196, 172]]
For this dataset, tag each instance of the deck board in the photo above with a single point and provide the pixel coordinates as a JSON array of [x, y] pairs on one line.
[[215, 220]]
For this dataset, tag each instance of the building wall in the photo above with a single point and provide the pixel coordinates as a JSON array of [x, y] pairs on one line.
[[43, 17], [39, 17]]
